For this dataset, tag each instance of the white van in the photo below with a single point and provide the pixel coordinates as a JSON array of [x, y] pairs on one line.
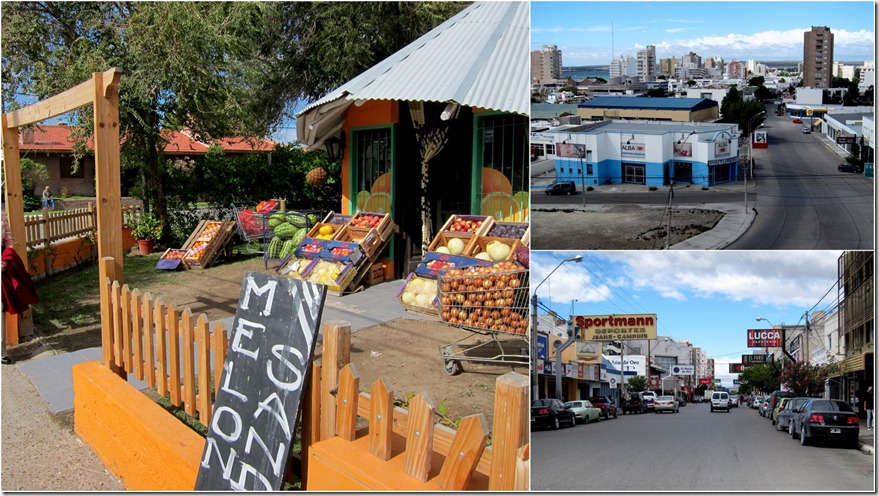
[[720, 401]]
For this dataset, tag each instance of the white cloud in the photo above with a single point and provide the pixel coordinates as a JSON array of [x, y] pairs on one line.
[[759, 277]]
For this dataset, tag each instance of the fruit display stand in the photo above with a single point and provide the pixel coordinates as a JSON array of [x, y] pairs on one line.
[[209, 239], [485, 301]]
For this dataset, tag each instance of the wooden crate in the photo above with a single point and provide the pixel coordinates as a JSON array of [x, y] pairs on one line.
[[481, 242], [385, 226], [337, 218], [368, 239], [486, 221], [213, 245], [433, 310], [521, 227], [315, 230], [443, 238]]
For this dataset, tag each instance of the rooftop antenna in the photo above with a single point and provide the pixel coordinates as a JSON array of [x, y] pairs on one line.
[[612, 50]]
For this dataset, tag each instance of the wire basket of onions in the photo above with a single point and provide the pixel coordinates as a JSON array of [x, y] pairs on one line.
[[492, 298]]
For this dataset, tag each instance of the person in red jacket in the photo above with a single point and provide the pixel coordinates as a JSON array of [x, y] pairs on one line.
[[19, 292]]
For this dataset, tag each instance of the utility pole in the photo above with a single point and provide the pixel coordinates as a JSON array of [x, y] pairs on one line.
[[806, 343]]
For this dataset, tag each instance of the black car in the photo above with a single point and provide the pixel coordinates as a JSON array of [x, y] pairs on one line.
[[633, 403], [562, 188], [783, 419], [825, 419], [847, 167], [605, 404], [551, 413]]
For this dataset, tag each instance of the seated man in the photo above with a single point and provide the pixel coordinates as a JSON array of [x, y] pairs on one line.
[[48, 201]]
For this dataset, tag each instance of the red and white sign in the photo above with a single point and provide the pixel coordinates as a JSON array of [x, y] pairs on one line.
[[764, 338], [705, 380]]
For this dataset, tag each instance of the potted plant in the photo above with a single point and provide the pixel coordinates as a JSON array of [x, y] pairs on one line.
[[146, 231]]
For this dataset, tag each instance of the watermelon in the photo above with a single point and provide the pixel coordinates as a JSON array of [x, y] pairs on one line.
[[277, 219], [299, 236], [288, 248], [286, 230], [274, 248], [297, 219], [312, 219]]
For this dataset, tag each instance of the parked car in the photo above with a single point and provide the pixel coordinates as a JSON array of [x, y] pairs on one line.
[[764, 408], [719, 401], [773, 415], [551, 413], [733, 401], [807, 129], [784, 416], [776, 396], [666, 404], [847, 167], [584, 412], [562, 188], [649, 400], [797, 120], [633, 403], [756, 402], [825, 419], [606, 405]]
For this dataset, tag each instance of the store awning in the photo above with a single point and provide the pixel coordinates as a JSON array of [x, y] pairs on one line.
[[478, 58]]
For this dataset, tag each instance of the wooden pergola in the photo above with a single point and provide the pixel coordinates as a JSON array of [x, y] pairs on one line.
[[102, 92]]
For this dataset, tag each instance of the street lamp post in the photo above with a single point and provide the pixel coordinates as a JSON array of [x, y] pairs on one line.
[[750, 158], [577, 259]]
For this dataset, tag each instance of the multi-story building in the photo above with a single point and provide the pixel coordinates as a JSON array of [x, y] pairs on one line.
[[867, 75], [624, 66], [647, 63], [667, 66], [546, 64], [735, 69], [818, 57], [856, 327]]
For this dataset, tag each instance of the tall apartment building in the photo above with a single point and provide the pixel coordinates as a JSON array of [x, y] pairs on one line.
[[546, 64], [667, 66], [736, 69], [647, 63], [818, 57], [625, 65]]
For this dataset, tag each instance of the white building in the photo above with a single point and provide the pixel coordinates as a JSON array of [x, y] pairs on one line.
[[624, 66], [647, 153]]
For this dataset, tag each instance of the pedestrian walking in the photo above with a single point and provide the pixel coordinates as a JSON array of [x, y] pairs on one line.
[[868, 405]]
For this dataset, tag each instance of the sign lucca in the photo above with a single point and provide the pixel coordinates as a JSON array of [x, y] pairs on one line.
[[616, 327], [764, 338]]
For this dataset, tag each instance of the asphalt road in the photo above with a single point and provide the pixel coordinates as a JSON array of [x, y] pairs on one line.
[[802, 201], [693, 450]]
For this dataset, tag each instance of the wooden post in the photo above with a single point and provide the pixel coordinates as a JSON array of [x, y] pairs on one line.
[[510, 430], [149, 357], [467, 447], [22, 325], [523, 469], [107, 314], [349, 393], [309, 426], [381, 419], [161, 347], [419, 437], [336, 354], [46, 240], [203, 338], [188, 363], [105, 97]]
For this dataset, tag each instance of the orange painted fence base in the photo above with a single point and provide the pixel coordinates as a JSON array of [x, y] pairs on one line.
[[135, 438]]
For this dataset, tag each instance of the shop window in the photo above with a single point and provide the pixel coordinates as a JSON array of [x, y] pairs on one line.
[[371, 169], [550, 149], [588, 169], [67, 170], [502, 155]]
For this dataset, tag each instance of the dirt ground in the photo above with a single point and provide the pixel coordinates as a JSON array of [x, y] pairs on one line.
[[404, 351], [617, 227]]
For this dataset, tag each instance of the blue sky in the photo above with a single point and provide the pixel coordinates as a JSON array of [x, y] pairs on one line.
[[710, 298], [741, 30]]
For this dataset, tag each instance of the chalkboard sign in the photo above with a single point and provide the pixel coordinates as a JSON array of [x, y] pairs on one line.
[[271, 347]]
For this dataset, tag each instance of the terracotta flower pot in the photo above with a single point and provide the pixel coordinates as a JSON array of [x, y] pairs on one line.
[[146, 246]]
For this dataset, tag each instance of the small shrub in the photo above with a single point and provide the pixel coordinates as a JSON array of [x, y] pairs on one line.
[[590, 188], [652, 188], [64, 192]]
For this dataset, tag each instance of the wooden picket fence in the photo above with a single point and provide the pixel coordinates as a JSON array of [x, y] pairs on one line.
[[180, 356], [168, 349], [335, 402], [52, 226]]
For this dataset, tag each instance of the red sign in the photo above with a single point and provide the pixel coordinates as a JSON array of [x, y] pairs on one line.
[[764, 338], [706, 380], [736, 368]]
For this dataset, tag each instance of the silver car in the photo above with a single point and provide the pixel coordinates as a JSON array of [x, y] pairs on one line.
[[665, 404]]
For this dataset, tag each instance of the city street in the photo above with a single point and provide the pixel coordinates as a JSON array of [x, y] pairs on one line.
[[803, 202], [693, 450]]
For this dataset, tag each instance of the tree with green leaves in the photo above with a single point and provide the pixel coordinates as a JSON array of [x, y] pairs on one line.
[[636, 384], [763, 377], [803, 379], [734, 109], [217, 69]]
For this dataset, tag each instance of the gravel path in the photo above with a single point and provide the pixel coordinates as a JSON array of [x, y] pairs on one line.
[[40, 451]]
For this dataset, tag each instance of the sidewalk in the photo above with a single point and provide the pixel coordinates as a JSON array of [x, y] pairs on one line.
[[866, 439]]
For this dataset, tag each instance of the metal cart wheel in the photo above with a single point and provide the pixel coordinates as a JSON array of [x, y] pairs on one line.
[[452, 367]]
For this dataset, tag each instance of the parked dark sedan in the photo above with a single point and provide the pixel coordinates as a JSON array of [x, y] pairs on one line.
[[551, 413], [847, 167], [825, 419], [608, 409], [783, 419]]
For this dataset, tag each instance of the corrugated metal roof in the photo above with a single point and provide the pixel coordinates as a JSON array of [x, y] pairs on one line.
[[627, 102], [478, 58]]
